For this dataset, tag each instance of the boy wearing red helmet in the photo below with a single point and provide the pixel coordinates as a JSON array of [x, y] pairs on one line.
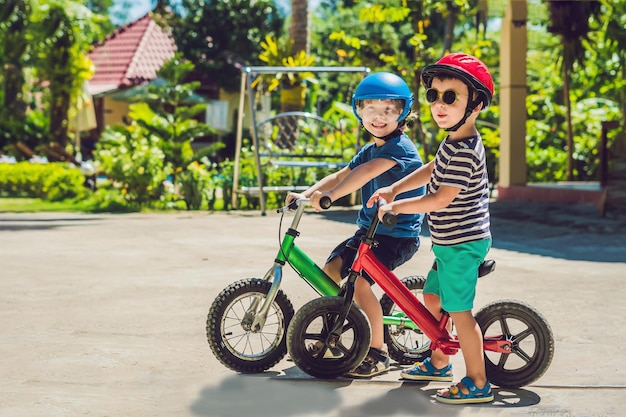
[[458, 87], [382, 102]]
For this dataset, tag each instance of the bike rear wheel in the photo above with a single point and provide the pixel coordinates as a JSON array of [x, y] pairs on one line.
[[235, 344], [312, 325], [406, 346], [532, 343]]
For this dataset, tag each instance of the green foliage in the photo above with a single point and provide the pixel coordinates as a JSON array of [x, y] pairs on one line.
[[169, 113], [157, 143], [595, 98], [42, 50], [218, 35], [194, 182], [53, 182], [277, 53], [134, 163]]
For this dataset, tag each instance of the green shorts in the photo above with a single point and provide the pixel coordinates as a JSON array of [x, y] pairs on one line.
[[454, 281]]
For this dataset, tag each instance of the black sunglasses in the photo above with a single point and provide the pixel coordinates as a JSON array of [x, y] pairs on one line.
[[448, 97]]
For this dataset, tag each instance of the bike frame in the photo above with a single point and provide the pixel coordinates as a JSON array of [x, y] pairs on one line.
[[307, 269], [435, 330]]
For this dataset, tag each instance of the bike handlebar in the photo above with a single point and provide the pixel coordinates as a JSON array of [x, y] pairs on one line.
[[390, 219], [325, 202]]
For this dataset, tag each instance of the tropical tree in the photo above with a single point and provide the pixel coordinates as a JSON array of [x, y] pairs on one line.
[[400, 36], [613, 37], [299, 27], [157, 143], [49, 42], [14, 21], [571, 21], [219, 36]]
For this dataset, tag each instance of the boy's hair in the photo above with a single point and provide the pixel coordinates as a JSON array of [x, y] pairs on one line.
[[398, 103]]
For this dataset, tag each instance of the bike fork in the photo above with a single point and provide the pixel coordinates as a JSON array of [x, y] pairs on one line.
[[255, 320], [348, 298]]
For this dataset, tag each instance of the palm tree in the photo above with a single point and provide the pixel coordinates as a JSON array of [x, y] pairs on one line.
[[14, 43], [299, 29], [570, 20]]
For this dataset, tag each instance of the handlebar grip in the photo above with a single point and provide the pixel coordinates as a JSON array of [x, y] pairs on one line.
[[325, 202], [390, 219]]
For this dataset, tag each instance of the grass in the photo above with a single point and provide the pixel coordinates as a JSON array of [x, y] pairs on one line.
[[32, 205]]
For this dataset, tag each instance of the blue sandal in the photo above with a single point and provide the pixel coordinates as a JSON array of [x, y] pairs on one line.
[[430, 374], [474, 396]]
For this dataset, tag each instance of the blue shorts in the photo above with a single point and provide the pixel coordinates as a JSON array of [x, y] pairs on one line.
[[391, 251], [454, 281]]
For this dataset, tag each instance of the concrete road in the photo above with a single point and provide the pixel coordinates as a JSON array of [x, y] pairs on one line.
[[104, 315]]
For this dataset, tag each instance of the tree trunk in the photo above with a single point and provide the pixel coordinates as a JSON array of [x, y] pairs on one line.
[[448, 36], [14, 15], [13, 84], [568, 118], [299, 28]]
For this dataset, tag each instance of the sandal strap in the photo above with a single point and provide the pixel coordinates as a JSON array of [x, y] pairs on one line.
[[473, 389], [377, 354], [430, 368]]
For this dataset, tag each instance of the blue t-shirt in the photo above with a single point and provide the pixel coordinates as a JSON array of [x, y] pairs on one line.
[[402, 151]]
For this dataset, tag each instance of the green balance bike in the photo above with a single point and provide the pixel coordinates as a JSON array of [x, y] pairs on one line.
[[248, 320]]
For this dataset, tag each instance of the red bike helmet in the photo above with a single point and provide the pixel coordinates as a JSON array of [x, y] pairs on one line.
[[467, 68]]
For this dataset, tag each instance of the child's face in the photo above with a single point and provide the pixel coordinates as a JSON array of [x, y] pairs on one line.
[[380, 117], [447, 115]]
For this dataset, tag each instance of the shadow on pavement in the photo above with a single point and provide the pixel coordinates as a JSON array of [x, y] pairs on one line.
[[242, 395], [17, 224]]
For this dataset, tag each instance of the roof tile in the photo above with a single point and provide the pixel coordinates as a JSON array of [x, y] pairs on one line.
[[132, 54]]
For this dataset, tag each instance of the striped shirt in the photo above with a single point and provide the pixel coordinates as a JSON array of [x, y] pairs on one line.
[[461, 163]]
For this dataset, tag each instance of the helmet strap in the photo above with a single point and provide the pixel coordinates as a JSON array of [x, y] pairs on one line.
[[468, 112]]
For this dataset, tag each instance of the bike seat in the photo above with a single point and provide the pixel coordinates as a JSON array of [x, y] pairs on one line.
[[487, 267]]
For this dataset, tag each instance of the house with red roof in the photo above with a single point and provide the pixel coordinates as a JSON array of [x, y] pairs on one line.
[[128, 57], [131, 57]]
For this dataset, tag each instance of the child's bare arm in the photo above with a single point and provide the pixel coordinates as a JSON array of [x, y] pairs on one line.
[[423, 204], [412, 181], [352, 180]]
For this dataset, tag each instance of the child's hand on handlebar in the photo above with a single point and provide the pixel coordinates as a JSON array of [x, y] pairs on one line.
[[291, 197], [315, 200], [384, 209], [384, 193]]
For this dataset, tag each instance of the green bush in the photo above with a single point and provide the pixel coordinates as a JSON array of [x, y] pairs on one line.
[[133, 162], [53, 181]]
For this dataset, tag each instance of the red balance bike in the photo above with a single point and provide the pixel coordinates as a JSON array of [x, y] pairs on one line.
[[247, 323], [518, 341]]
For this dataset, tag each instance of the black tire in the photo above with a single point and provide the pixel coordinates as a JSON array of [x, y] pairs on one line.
[[312, 323], [406, 346], [242, 349], [531, 338]]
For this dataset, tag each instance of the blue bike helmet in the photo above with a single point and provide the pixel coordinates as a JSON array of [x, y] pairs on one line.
[[383, 86]]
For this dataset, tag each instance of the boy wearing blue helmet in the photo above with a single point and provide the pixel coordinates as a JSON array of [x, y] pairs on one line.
[[382, 102]]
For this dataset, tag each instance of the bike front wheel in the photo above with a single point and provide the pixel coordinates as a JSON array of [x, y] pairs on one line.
[[233, 341], [532, 343], [405, 344], [308, 336]]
